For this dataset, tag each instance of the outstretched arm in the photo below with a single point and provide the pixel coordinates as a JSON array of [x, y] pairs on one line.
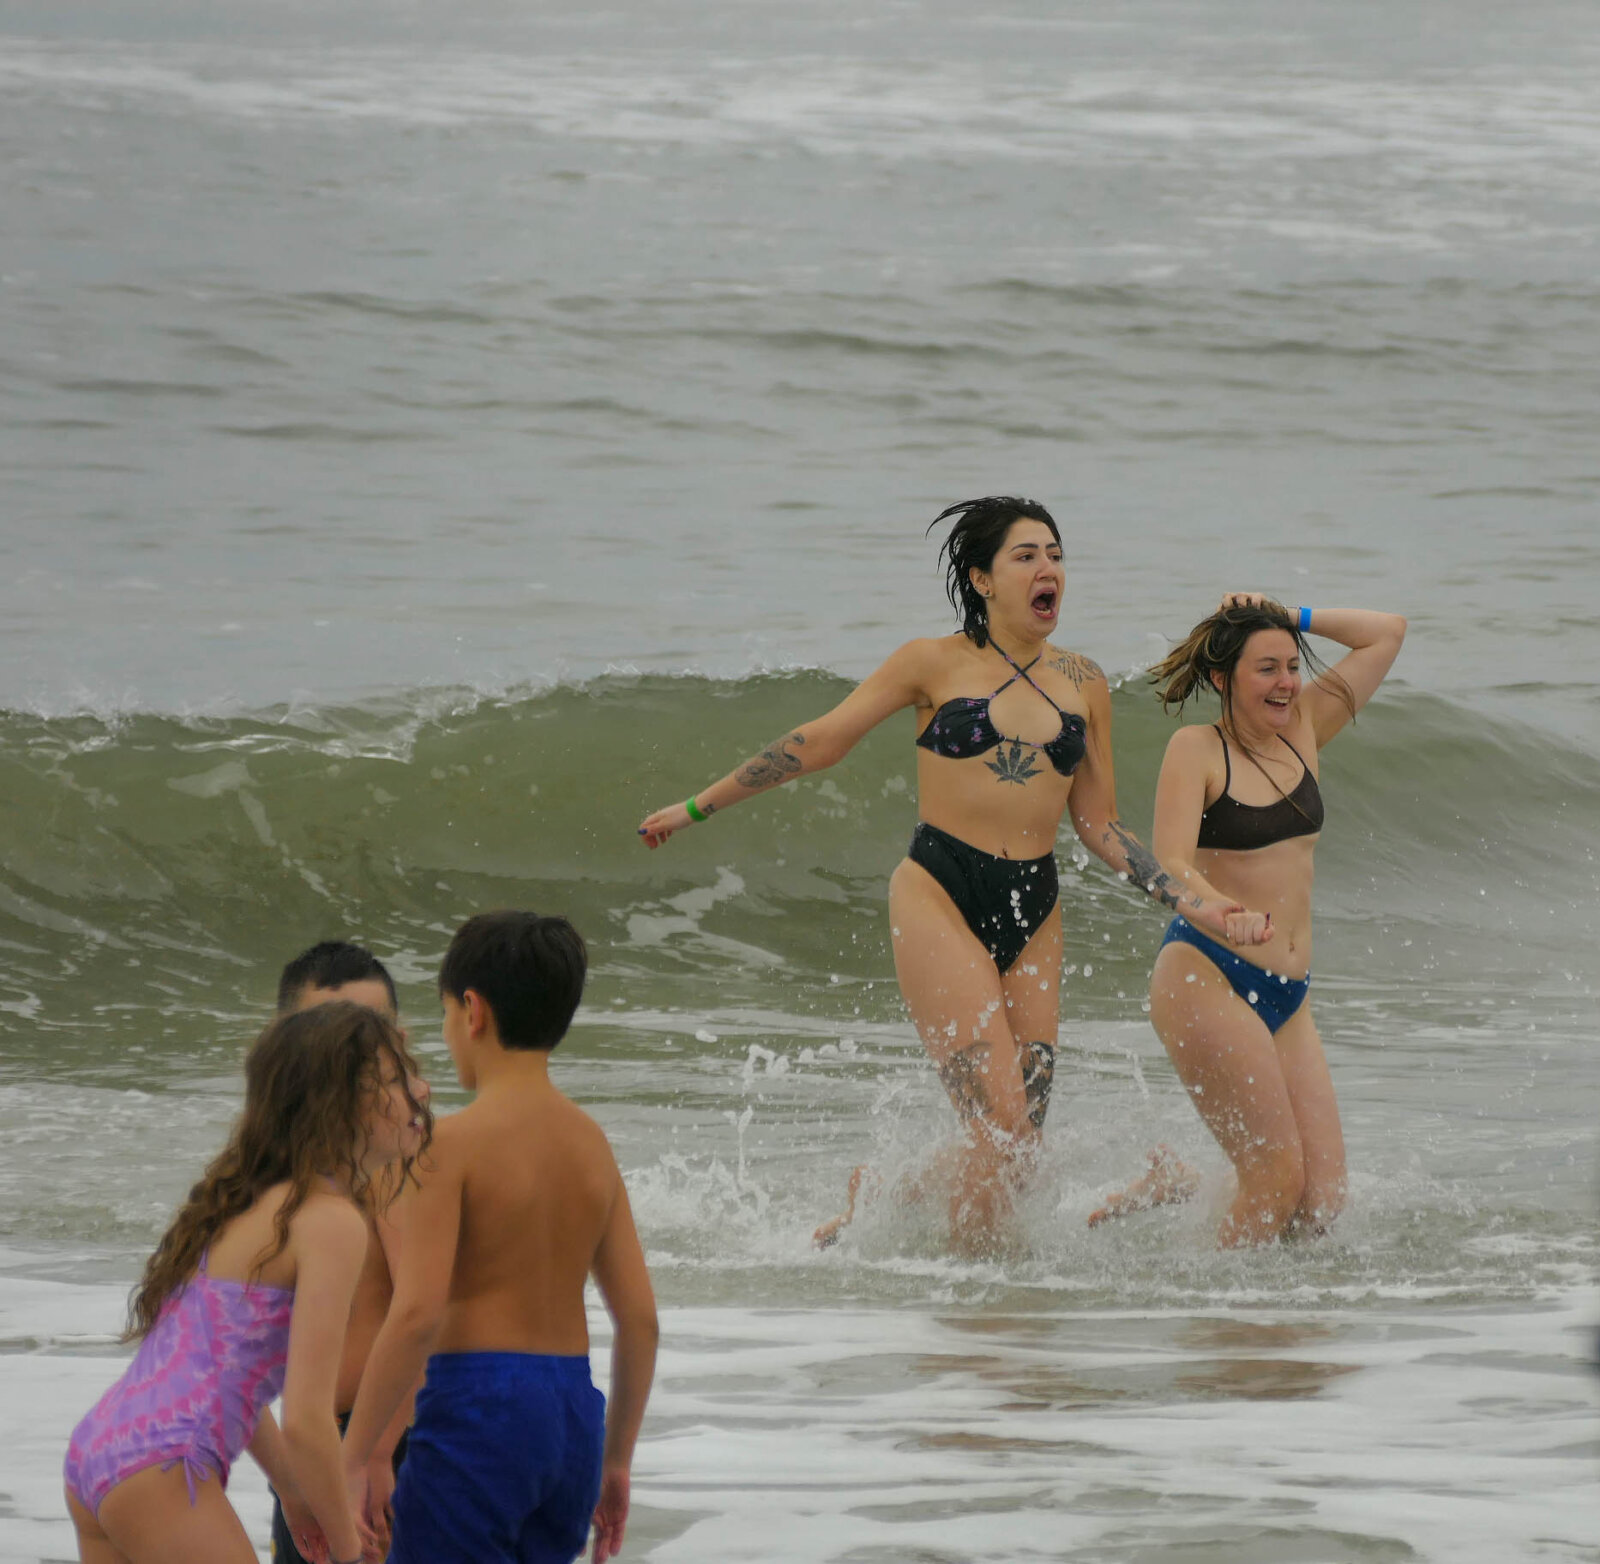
[[813, 746], [1093, 806]]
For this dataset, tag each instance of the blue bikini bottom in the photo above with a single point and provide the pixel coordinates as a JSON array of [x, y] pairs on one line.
[[1273, 997]]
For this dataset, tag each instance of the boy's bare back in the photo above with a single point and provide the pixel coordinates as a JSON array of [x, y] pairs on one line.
[[517, 1204], [538, 1193]]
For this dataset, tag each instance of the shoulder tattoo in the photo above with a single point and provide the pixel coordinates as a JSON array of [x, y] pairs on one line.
[[1080, 669]]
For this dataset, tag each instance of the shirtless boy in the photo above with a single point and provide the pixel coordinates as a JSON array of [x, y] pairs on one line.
[[519, 1202], [336, 969]]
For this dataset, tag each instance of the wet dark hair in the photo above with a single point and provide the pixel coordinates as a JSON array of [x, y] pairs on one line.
[[974, 541], [1215, 646], [331, 964], [528, 969]]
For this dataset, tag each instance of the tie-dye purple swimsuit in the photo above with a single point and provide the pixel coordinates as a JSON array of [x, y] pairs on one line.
[[194, 1392]]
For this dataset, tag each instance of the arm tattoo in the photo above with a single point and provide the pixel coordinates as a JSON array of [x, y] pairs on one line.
[[1080, 669], [1145, 871], [773, 765]]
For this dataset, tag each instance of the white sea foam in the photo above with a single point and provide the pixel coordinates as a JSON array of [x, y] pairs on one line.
[[1005, 1438], [815, 1435], [1543, 126]]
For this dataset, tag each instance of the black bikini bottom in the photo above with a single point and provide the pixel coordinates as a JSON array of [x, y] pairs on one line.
[[1002, 900]]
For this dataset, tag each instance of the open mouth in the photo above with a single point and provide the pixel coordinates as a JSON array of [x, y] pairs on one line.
[[1043, 602]]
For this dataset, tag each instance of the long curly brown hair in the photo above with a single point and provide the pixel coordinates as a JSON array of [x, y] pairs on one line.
[[311, 1081], [1215, 646]]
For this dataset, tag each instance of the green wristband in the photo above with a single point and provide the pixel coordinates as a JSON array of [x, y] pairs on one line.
[[694, 810]]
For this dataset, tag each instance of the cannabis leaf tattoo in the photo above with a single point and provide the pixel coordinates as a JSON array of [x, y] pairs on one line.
[[773, 765], [1017, 765]]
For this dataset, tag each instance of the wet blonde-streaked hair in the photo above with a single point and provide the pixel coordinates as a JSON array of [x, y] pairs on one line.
[[311, 1082], [1216, 644]]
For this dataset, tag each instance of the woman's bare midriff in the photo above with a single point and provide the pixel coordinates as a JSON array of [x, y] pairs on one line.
[[1006, 819], [1275, 880]]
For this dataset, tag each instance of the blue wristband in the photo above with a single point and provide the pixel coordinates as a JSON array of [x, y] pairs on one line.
[[1305, 619]]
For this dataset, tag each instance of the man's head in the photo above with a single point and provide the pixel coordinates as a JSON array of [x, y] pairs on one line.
[[336, 969], [524, 970]]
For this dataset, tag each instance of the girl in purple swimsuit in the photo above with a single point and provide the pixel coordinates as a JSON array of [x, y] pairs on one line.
[[1238, 813], [247, 1295]]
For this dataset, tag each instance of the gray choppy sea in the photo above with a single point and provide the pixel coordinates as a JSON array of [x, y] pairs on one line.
[[432, 438], [394, 349]]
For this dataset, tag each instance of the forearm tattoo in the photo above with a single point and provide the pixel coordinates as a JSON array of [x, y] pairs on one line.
[[773, 765], [1080, 669], [1144, 869]]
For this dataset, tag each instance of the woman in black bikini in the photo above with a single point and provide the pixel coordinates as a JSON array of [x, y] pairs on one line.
[[1238, 811], [1009, 729]]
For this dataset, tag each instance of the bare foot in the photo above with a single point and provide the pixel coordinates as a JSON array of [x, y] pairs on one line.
[[1167, 1183], [829, 1233]]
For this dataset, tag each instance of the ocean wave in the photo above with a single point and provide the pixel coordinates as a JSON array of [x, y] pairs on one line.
[[1479, 122], [221, 832]]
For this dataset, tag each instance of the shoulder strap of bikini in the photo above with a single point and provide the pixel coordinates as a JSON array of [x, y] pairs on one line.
[[1227, 765], [1021, 673]]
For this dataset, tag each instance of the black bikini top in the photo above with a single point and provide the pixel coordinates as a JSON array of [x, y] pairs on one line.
[[961, 728], [1242, 828]]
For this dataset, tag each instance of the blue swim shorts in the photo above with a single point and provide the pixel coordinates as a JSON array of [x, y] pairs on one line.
[[503, 1462], [1272, 996]]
